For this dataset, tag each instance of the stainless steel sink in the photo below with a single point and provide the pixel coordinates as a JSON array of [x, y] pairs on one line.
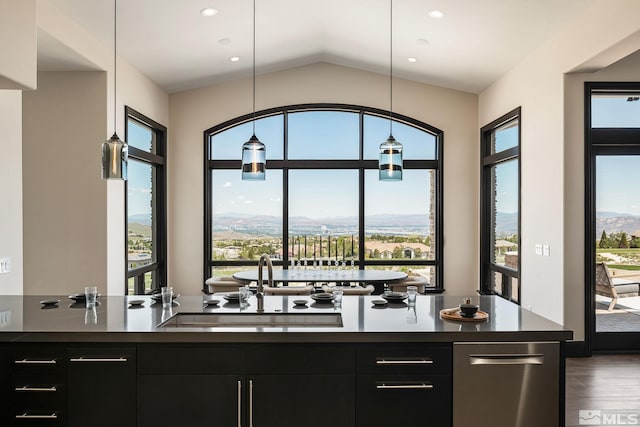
[[253, 320]]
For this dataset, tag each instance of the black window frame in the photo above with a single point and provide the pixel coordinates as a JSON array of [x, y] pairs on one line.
[[158, 160], [488, 160], [361, 165], [602, 142]]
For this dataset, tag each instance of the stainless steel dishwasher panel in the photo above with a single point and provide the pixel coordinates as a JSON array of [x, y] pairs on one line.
[[506, 384]]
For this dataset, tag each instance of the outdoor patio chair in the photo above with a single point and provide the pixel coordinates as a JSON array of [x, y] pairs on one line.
[[606, 286], [352, 290], [288, 290], [401, 286], [223, 284]]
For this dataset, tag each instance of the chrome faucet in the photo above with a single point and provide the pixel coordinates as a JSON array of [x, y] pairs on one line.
[[264, 259]]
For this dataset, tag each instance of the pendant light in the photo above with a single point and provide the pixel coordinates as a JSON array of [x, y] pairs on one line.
[[390, 162], [114, 150], [254, 152]]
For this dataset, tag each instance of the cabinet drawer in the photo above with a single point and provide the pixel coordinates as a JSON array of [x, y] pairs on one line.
[[36, 418], [300, 358], [190, 359], [43, 391], [403, 400], [38, 358], [403, 358]]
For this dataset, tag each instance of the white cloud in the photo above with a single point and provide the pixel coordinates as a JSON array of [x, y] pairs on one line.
[[227, 184], [248, 202]]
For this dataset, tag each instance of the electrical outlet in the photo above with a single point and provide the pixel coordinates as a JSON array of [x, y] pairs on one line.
[[5, 265], [545, 250], [538, 249]]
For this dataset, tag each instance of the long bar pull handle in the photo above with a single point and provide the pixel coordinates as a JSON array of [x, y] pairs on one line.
[[416, 361], [250, 403], [413, 386], [26, 415], [35, 362], [506, 359], [42, 389], [239, 403], [100, 359]]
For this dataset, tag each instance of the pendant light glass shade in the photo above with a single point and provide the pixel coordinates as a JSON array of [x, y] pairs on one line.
[[254, 160], [390, 162], [114, 158]]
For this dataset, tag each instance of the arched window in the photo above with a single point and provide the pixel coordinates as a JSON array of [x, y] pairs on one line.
[[322, 198]]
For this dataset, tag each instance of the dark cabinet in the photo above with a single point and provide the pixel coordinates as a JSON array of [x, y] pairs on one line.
[[5, 382], [405, 384], [38, 385], [189, 400], [301, 384], [190, 385], [197, 384], [301, 400], [101, 386]]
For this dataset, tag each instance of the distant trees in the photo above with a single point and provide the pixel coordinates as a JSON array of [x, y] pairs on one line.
[[619, 240]]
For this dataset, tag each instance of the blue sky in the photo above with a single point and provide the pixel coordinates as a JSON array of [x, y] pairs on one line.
[[618, 184], [618, 177], [322, 193], [139, 174]]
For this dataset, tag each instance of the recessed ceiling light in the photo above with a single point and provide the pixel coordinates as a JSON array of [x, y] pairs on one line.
[[224, 41], [234, 59], [208, 11], [412, 59], [437, 14]]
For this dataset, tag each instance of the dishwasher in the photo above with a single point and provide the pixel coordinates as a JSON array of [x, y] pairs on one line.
[[506, 384]]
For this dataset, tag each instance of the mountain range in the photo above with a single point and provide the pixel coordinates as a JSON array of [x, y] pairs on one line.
[[507, 223]]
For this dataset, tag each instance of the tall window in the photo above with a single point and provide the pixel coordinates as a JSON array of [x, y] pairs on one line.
[[612, 235], [322, 199], [145, 204], [500, 207]]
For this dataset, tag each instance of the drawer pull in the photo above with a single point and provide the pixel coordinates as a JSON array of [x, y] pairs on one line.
[[26, 415], [506, 359], [104, 359], [414, 386], [417, 361], [35, 362], [239, 403], [38, 389]]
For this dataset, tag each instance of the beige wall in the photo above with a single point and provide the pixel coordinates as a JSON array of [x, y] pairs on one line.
[[18, 44], [135, 90], [64, 195], [552, 171], [452, 111], [11, 191]]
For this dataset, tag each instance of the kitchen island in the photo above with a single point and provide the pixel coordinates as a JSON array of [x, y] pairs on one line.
[[394, 357]]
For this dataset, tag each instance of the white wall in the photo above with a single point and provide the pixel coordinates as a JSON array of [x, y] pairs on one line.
[[11, 190], [552, 175], [452, 111]]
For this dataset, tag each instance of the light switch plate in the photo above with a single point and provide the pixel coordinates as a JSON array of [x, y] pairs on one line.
[[538, 249], [545, 250], [5, 265]]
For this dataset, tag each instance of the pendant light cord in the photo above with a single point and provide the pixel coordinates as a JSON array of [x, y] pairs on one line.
[[115, 68], [254, 67], [390, 68]]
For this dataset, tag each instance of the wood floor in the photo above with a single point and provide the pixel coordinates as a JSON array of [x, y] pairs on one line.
[[609, 384]]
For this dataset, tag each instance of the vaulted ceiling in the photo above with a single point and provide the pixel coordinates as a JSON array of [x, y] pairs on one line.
[[472, 45]]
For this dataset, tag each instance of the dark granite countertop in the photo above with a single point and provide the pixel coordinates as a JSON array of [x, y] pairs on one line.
[[24, 319]]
